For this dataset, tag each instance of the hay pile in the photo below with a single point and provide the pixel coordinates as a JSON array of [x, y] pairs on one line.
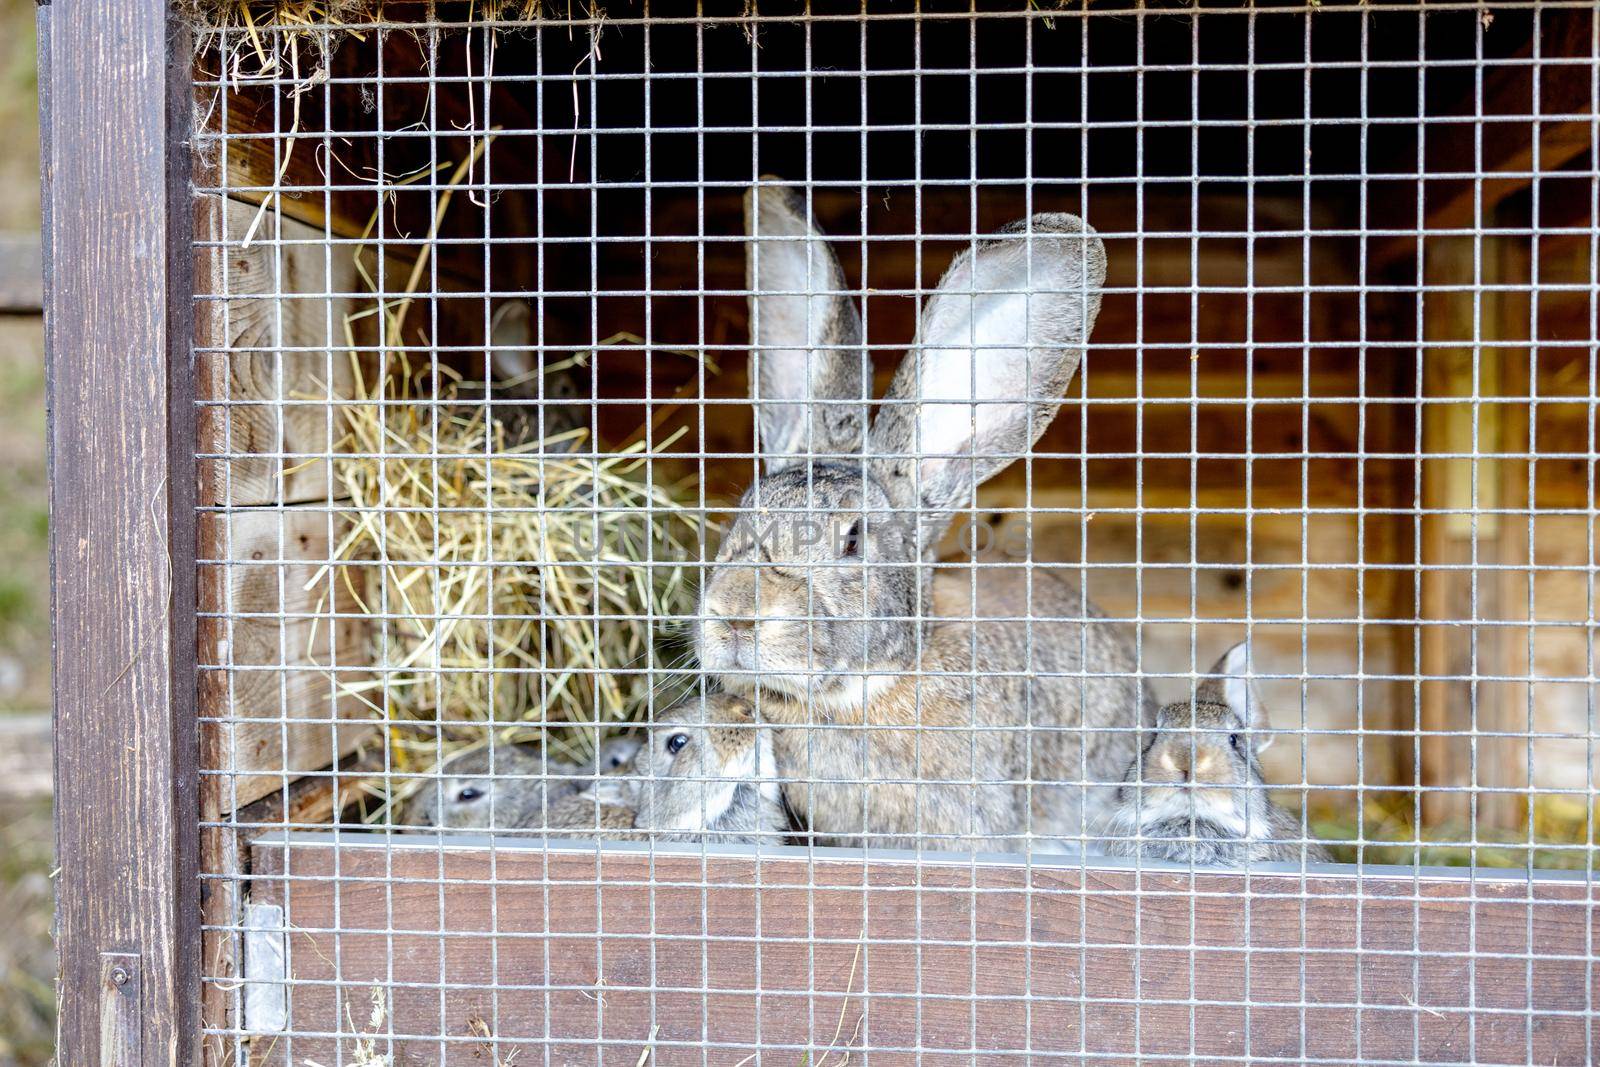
[[512, 583]]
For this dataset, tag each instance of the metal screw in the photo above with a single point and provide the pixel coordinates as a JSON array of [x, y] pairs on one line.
[[120, 976]]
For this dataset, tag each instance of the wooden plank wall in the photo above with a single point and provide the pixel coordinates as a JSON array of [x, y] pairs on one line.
[[275, 365], [599, 958]]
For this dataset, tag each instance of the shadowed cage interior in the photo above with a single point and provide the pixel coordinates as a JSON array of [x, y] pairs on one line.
[[1028, 532]]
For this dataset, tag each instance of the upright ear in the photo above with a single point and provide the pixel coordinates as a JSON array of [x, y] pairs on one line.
[[1230, 684], [999, 342], [810, 379], [511, 357]]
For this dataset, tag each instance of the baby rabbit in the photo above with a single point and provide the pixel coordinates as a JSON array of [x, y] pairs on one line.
[[515, 794], [546, 410], [1196, 794], [706, 773], [907, 711]]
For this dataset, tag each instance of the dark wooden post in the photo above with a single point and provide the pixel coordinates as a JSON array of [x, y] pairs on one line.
[[118, 296]]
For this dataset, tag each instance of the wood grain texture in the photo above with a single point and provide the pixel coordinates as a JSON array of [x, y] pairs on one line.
[[118, 324], [581, 959], [275, 358], [296, 715], [120, 1036]]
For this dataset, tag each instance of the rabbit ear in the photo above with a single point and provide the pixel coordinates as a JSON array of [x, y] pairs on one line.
[[999, 342], [806, 333], [511, 357], [1230, 684]]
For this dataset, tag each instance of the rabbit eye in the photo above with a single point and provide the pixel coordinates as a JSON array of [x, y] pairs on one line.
[[468, 794], [1237, 742], [852, 541], [675, 743]]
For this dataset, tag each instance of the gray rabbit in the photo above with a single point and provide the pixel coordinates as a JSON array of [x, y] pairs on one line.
[[510, 788], [535, 407], [907, 711], [703, 772], [1196, 794], [706, 773]]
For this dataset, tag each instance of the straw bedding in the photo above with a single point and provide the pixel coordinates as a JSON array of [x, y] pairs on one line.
[[514, 586]]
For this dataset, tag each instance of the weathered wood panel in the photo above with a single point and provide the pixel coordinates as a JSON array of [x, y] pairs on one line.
[[277, 675], [283, 325], [592, 959], [118, 330]]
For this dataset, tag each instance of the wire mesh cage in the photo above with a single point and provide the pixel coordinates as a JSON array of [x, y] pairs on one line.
[[920, 534]]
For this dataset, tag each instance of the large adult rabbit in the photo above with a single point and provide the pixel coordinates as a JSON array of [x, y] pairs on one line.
[[915, 710]]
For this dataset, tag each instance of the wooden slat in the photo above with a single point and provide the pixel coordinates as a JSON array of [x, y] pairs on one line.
[[1474, 352], [596, 960], [272, 411], [118, 330], [277, 723]]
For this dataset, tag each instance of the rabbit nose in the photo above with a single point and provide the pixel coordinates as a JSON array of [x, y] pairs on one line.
[[1175, 760], [739, 625]]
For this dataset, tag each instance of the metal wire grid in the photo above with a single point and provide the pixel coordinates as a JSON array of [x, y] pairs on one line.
[[1173, 664]]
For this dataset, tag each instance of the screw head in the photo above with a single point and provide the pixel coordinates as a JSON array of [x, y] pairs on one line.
[[120, 976]]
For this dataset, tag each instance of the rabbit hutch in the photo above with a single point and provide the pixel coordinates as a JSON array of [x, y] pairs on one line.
[[422, 376]]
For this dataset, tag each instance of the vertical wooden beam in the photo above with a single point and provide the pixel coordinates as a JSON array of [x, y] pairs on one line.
[[1474, 357], [118, 330], [1506, 707], [1447, 424]]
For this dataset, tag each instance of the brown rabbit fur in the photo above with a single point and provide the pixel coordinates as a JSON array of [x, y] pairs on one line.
[[909, 713]]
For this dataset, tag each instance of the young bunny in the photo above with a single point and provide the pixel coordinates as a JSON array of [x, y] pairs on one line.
[[706, 773], [901, 702], [605, 811], [546, 410], [1196, 794], [515, 793]]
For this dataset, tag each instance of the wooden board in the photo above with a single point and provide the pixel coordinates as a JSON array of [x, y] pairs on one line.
[[575, 957], [118, 332], [274, 357], [271, 702]]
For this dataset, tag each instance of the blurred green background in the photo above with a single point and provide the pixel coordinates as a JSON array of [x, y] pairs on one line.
[[27, 965]]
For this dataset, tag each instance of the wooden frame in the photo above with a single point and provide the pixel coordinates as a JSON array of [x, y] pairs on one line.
[[945, 955], [118, 329]]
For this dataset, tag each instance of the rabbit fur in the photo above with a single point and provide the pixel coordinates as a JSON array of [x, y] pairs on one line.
[[1196, 793], [508, 786], [912, 707], [544, 410], [706, 772]]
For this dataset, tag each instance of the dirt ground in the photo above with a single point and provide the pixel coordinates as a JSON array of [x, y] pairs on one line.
[[27, 964]]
